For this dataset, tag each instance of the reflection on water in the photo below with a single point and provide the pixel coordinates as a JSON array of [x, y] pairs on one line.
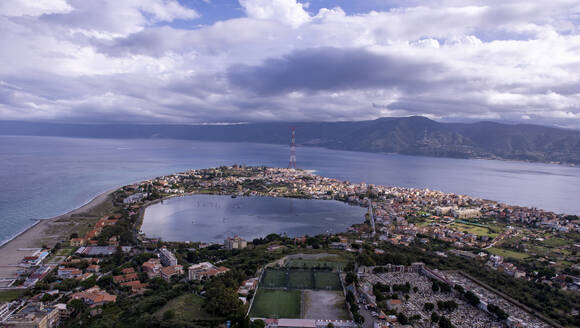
[[212, 218]]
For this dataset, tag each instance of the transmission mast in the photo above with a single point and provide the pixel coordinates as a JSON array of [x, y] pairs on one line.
[[292, 163]]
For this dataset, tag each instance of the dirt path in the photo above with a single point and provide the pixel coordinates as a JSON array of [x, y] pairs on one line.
[[322, 304]]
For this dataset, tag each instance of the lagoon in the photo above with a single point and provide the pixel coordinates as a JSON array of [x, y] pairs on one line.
[[212, 218]]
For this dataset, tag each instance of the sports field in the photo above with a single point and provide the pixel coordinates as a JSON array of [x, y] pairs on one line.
[[333, 264], [275, 279], [327, 281], [300, 280], [270, 303]]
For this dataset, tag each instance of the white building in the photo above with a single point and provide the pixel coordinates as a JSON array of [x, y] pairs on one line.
[[235, 243], [167, 258]]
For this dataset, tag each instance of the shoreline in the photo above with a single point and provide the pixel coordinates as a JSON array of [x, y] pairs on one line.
[[36, 231]]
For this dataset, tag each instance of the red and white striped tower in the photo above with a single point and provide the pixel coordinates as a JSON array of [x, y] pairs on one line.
[[292, 163]]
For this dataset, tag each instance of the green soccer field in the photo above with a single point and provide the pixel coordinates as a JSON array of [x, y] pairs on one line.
[[271, 303], [327, 281], [275, 279], [300, 279]]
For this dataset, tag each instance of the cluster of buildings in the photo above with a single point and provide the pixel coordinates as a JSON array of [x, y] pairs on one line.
[[90, 237], [235, 242], [204, 270], [165, 266], [32, 315]]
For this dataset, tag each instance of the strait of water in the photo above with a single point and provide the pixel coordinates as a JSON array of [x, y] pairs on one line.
[[42, 177], [212, 218]]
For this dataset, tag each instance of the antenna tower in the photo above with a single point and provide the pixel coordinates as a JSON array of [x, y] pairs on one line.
[[292, 163]]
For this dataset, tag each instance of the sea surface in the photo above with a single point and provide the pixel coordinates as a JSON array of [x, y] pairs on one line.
[[212, 218], [42, 177]]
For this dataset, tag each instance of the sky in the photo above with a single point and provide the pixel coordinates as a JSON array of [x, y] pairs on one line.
[[219, 61]]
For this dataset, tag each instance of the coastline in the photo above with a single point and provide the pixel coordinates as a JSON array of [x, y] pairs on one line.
[[30, 236]]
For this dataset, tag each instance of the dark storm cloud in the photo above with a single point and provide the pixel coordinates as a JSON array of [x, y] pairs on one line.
[[334, 69]]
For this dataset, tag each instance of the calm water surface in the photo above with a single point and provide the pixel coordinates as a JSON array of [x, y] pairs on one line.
[[212, 218], [41, 177]]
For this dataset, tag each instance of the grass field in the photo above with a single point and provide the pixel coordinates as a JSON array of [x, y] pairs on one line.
[[337, 264], [274, 279], [327, 281], [10, 295], [65, 251], [300, 280], [556, 242], [187, 308], [473, 229], [270, 303], [506, 253]]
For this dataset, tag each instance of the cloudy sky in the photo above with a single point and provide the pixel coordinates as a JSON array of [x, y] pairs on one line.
[[192, 61]]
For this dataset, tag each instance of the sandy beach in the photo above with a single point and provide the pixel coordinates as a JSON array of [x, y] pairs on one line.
[[48, 232]]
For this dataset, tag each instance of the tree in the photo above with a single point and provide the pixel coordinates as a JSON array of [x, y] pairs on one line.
[[428, 306], [350, 278], [168, 315], [259, 323], [77, 306], [402, 318], [471, 298], [445, 323], [497, 311], [434, 317]]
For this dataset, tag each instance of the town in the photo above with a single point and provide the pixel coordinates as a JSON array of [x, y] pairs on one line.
[[418, 257]]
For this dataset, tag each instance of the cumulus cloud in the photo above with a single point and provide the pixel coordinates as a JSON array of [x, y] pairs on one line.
[[286, 11], [148, 61]]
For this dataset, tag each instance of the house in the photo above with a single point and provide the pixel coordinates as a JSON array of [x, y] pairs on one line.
[[68, 273], [136, 286], [94, 296], [77, 242], [94, 268], [125, 278], [247, 286], [394, 304], [205, 270], [170, 271], [152, 267]]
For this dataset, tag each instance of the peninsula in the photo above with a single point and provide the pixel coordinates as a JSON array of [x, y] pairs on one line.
[[92, 267]]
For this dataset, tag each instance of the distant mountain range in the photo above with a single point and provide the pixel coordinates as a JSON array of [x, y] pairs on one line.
[[413, 135]]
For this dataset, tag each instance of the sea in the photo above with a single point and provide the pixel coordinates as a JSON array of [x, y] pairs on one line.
[[42, 177]]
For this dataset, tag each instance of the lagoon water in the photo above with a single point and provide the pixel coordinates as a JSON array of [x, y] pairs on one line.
[[41, 177], [212, 218]]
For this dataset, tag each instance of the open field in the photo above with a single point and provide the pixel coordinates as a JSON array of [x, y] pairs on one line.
[[327, 281], [300, 280], [506, 253], [10, 295], [186, 308], [473, 229], [270, 303], [333, 264], [275, 279], [555, 242], [321, 304]]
